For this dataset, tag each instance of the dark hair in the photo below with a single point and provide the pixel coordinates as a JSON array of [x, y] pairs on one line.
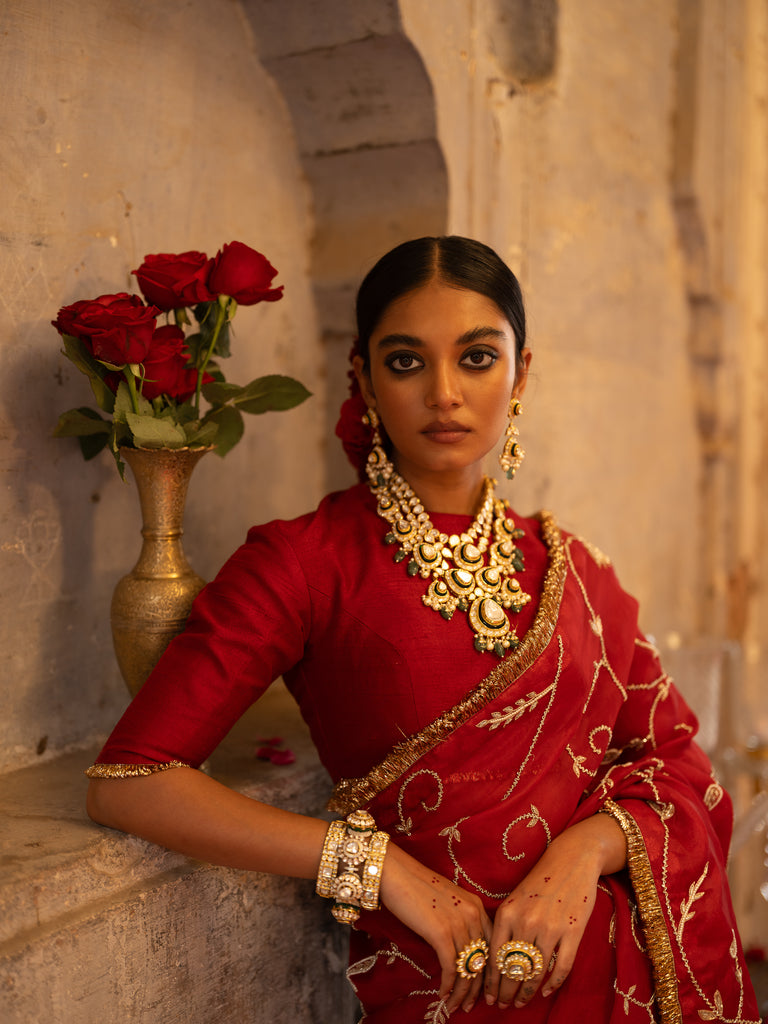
[[462, 262]]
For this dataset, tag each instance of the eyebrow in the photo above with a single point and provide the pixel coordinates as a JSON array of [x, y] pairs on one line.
[[475, 334]]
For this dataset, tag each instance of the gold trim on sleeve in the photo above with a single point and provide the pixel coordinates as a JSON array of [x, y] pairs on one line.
[[651, 913], [349, 794], [130, 771]]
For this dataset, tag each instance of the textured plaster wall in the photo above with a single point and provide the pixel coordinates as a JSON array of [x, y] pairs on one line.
[[129, 128], [563, 167]]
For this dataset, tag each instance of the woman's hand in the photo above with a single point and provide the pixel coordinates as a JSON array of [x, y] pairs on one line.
[[445, 916], [550, 908]]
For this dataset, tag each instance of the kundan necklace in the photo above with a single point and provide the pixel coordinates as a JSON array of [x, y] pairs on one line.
[[473, 571]]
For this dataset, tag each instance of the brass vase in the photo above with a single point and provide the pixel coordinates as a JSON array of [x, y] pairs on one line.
[[151, 604]]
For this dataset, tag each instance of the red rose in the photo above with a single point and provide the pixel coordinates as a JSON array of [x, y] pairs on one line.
[[356, 436], [243, 274], [115, 329], [165, 367], [173, 281]]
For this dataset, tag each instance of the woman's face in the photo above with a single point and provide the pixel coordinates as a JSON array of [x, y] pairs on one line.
[[442, 372]]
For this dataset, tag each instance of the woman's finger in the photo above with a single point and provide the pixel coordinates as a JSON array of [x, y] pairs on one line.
[[478, 979]]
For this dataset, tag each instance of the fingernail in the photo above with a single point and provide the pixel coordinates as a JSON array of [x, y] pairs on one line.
[[466, 1008], [490, 1000], [519, 1003], [547, 992]]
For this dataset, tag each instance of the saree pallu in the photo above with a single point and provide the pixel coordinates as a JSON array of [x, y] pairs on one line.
[[579, 719]]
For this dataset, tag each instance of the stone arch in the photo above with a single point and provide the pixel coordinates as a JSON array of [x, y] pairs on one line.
[[363, 109]]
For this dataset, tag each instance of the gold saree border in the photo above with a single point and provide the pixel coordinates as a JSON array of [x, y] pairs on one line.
[[350, 794], [130, 771], [654, 925]]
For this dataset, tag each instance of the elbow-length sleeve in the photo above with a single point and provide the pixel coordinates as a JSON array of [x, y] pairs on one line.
[[246, 628]]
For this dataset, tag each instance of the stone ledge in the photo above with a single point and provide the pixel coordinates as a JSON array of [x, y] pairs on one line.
[[101, 926]]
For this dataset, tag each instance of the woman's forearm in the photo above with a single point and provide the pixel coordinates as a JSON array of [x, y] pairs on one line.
[[187, 811], [600, 836]]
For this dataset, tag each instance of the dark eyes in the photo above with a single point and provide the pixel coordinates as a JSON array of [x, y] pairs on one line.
[[480, 359], [475, 359], [402, 362]]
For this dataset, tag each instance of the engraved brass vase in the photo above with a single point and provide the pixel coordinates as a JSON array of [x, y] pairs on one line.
[[151, 604]]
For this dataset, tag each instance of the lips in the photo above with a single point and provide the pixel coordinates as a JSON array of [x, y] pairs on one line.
[[445, 431]]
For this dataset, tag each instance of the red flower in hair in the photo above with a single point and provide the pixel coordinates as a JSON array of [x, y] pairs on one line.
[[356, 436]]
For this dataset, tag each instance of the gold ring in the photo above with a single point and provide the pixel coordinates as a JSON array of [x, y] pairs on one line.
[[519, 961], [472, 959]]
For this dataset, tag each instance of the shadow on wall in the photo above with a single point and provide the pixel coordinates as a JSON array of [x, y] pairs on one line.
[[57, 577], [363, 109]]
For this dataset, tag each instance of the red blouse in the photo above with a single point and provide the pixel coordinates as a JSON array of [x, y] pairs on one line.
[[319, 601]]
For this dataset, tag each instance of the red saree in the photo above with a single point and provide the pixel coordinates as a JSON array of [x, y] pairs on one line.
[[579, 718], [557, 732]]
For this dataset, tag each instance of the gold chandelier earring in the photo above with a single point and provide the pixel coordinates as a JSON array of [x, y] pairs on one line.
[[512, 454], [377, 457]]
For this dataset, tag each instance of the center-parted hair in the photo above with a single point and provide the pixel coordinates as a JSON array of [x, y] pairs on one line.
[[460, 262]]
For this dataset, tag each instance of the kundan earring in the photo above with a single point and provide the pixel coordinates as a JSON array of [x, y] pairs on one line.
[[512, 454], [371, 417], [377, 461]]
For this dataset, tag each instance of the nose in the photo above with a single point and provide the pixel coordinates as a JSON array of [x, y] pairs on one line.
[[444, 391]]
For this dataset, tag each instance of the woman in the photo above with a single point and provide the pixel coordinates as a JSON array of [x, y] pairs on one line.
[[557, 840]]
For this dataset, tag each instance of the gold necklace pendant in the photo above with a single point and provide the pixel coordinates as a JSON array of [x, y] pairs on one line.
[[472, 572]]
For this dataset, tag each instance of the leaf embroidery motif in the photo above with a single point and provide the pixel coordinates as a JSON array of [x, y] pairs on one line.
[[361, 966], [627, 994], [578, 761], [716, 1013], [436, 1013], [452, 832], [511, 713], [686, 913]]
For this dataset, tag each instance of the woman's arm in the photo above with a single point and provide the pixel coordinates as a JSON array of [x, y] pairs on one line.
[[552, 905], [187, 811]]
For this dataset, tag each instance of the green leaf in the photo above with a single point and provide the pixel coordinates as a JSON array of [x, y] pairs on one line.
[[219, 392], [194, 342], [230, 427], [103, 395], [77, 353], [185, 413], [123, 403], [202, 435], [91, 446], [271, 393], [151, 432], [81, 422]]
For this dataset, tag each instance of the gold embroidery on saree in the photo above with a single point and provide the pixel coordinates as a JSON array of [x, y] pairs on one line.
[[654, 925], [130, 771], [350, 794], [406, 824]]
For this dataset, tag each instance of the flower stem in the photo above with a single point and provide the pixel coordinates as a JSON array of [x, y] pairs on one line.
[[221, 319], [131, 381]]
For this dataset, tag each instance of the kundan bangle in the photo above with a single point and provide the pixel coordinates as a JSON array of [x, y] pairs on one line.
[[351, 865], [377, 849], [329, 860]]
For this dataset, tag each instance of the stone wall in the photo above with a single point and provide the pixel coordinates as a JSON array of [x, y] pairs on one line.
[[130, 128]]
